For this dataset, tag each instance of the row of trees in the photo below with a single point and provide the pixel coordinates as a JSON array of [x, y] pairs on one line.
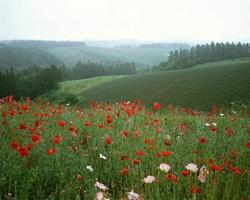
[[89, 69], [30, 82], [36, 80], [199, 54]]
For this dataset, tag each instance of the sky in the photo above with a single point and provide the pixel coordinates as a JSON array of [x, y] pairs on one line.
[[147, 20]]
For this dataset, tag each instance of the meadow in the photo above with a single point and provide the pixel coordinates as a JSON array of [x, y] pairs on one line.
[[198, 87], [122, 151]]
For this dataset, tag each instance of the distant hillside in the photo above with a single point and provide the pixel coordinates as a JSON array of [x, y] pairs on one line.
[[166, 45], [46, 43], [199, 87], [20, 57]]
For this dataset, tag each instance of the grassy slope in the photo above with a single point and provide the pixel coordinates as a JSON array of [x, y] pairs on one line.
[[199, 87], [76, 87], [143, 57]]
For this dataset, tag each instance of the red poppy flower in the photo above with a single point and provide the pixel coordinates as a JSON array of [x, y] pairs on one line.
[[171, 177], [202, 140], [108, 140], [24, 152], [100, 125], [139, 153], [51, 151], [22, 126], [247, 145], [87, 123], [124, 171], [195, 190], [136, 162], [14, 145], [78, 177], [35, 137], [57, 139], [61, 123], [108, 119], [216, 168], [156, 106], [185, 173], [165, 153]]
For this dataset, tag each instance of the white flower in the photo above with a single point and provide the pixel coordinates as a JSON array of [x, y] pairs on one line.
[[168, 137], [149, 179], [102, 156], [164, 167], [100, 196], [207, 124], [192, 167], [221, 114], [203, 174], [214, 124], [89, 168], [234, 112], [132, 195], [101, 186]]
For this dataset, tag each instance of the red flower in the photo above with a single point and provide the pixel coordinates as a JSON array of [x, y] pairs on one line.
[[247, 145], [14, 145], [229, 131], [108, 119], [78, 177], [29, 146], [51, 151], [24, 107], [185, 173], [171, 177], [100, 125], [216, 168], [202, 140], [165, 153], [108, 140], [195, 189], [57, 139], [213, 129], [87, 123], [139, 153], [24, 152], [124, 171], [35, 137], [22, 126], [136, 162], [124, 157], [157, 106], [61, 123], [124, 133]]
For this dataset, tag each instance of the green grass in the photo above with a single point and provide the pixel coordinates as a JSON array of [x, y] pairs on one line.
[[164, 136], [142, 57], [199, 87], [74, 88]]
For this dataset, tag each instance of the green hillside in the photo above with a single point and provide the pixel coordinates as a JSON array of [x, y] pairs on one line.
[[19, 57], [142, 57], [198, 87]]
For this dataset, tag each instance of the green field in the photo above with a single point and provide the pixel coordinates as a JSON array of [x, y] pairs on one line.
[[199, 87]]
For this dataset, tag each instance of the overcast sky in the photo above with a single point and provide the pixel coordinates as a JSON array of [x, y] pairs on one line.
[[170, 20]]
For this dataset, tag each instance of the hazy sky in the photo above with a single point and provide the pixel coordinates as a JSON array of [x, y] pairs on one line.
[[179, 20]]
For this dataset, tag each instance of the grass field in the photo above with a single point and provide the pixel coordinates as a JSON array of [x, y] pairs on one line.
[[142, 57], [199, 87], [62, 152]]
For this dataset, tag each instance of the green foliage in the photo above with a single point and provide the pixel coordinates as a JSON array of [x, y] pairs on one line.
[[185, 58]]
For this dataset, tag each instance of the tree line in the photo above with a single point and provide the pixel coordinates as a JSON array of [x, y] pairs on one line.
[[35, 80], [199, 54]]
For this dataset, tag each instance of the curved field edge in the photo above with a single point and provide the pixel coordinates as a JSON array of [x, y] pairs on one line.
[[198, 87], [74, 88]]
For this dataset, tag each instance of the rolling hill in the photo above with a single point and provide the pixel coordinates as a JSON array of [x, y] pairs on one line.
[[199, 87], [19, 57]]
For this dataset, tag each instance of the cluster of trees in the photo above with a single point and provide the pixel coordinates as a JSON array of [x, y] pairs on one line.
[[36, 80], [199, 54], [90, 69], [30, 82]]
